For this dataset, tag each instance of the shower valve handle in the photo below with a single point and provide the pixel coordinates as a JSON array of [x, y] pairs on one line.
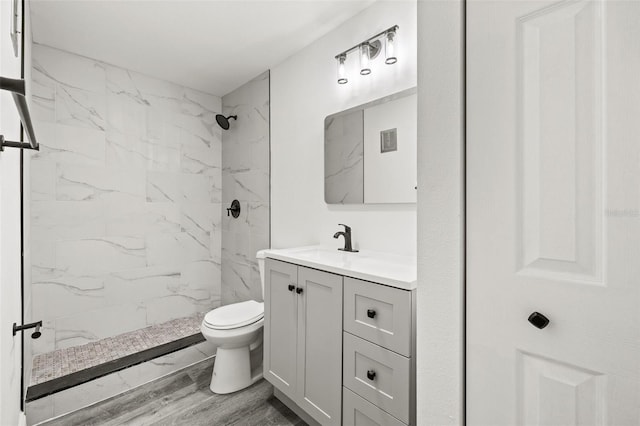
[[234, 210]]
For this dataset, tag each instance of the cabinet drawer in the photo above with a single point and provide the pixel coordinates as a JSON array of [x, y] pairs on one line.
[[379, 375], [359, 412], [379, 314]]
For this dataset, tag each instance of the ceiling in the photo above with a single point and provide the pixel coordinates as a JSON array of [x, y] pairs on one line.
[[214, 46]]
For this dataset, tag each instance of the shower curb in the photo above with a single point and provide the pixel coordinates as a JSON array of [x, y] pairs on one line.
[[50, 387]]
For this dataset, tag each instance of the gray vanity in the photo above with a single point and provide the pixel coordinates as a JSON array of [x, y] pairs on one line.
[[339, 335]]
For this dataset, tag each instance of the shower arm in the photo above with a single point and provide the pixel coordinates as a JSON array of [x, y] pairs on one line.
[[17, 89]]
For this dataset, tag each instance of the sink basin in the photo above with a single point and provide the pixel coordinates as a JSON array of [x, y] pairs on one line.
[[323, 254], [384, 268]]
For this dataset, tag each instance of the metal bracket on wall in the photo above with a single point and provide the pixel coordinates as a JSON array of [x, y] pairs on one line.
[[17, 89], [12, 144]]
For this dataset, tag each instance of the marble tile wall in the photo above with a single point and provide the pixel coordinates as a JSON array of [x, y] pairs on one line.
[[344, 159], [126, 196], [245, 177]]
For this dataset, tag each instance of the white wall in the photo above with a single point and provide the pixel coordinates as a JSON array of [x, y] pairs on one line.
[[10, 304], [303, 92], [440, 218]]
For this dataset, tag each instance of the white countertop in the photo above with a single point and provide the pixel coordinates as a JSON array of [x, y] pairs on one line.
[[384, 268]]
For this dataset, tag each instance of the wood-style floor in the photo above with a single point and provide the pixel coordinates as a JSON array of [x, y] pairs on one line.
[[184, 398]]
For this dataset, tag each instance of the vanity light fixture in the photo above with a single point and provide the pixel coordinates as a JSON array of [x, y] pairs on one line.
[[390, 47], [364, 59], [342, 72], [368, 50]]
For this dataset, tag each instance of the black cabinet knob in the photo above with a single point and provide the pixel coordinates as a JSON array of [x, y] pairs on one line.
[[291, 287], [371, 313], [371, 375], [299, 290], [538, 320]]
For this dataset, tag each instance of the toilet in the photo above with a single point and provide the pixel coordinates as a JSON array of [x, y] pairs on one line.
[[236, 330]]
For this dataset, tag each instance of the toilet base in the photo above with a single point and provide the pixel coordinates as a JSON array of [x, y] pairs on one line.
[[232, 370]]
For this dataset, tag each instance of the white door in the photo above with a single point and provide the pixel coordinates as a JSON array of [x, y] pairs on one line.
[[553, 212]]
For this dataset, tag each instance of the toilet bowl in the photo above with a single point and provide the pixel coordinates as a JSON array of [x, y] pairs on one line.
[[235, 330]]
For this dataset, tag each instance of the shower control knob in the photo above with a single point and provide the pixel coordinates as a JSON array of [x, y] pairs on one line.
[[299, 290], [538, 320], [371, 375], [371, 313], [291, 287], [234, 210]]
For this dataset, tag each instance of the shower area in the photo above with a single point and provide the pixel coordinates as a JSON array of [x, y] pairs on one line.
[[128, 235]]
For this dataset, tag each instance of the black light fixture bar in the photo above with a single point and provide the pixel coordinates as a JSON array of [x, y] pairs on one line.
[[17, 89], [380, 34]]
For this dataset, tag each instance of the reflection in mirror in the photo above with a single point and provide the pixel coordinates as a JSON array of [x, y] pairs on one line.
[[343, 158], [370, 152]]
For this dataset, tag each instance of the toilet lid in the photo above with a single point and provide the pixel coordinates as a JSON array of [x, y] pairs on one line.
[[235, 315]]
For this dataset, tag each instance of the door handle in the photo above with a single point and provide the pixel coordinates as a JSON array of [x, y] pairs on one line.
[[291, 287], [299, 290], [371, 313], [371, 375], [538, 320]]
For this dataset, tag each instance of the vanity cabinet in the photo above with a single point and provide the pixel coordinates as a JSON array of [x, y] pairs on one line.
[[302, 337], [340, 335]]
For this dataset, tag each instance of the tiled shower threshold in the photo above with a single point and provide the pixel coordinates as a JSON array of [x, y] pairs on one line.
[[64, 368]]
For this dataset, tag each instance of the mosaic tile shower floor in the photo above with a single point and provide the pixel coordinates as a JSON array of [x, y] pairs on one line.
[[61, 362]]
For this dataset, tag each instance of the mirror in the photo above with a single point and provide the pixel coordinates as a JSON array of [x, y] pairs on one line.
[[370, 152]]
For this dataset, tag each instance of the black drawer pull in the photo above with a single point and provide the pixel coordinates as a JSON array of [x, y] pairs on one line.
[[291, 287], [371, 375], [538, 320], [371, 313], [299, 290]]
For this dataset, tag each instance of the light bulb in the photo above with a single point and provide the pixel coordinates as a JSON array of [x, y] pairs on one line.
[[390, 47], [342, 73], [364, 59]]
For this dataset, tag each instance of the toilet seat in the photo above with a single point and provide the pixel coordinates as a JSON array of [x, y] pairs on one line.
[[233, 316]]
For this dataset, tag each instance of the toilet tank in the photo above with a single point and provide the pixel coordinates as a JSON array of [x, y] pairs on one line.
[[260, 256]]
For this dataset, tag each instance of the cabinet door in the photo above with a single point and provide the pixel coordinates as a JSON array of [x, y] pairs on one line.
[[280, 325], [320, 345]]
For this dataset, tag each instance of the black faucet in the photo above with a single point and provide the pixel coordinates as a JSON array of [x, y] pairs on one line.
[[347, 238]]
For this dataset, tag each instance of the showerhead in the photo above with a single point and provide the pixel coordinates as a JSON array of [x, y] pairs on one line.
[[224, 121]]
